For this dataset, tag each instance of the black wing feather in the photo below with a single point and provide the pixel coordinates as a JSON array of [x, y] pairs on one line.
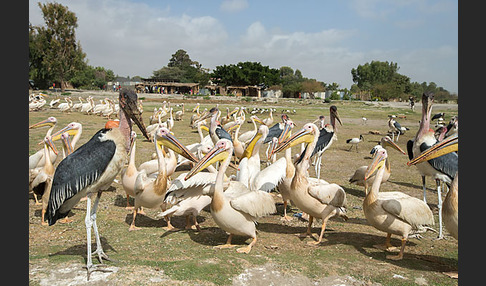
[[221, 133], [77, 171], [323, 140], [273, 131], [410, 149], [446, 164]]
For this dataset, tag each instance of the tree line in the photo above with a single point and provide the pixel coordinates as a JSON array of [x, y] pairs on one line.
[[55, 56]]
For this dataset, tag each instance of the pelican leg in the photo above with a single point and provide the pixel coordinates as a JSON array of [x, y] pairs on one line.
[[309, 228], [285, 216], [128, 207], [227, 244], [247, 248], [400, 255], [132, 225], [387, 246], [323, 228]]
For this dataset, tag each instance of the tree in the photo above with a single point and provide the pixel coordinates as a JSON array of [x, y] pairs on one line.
[[246, 73], [60, 53]]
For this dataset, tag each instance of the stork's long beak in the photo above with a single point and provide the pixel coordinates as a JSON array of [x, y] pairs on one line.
[[378, 162], [46, 122], [251, 145], [301, 136], [170, 141], [128, 103], [216, 154], [394, 145], [336, 115], [448, 145]]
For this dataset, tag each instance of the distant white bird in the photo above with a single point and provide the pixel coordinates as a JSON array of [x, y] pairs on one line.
[[364, 120], [355, 141]]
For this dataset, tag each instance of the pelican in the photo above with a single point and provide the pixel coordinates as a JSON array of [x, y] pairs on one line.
[[268, 121], [441, 169], [393, 212], [359, 174], [326, 136], [41, 185], [354, 142], [65, 106], [130, 173], [317, 199], [38, 159], [150, 192], [237, 208], [179, 113], [92, 168], [246, 137], [74, 129]]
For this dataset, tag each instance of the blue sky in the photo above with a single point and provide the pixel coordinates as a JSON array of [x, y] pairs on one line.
[[323, 39]]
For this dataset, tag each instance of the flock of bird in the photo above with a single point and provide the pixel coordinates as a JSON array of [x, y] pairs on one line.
[[238, 201]]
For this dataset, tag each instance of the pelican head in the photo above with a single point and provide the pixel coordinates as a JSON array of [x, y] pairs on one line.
[[164, 137], [71, 129], [387, 141], [50, 121], [378, 162], [220, 152], [50, 144], [448, 145], [305, 135]]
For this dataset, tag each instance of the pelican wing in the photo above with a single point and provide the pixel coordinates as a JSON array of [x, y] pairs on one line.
[[255, 203], [409, 209], [243, 173], [268, 178], [197, 185], [331, 194]]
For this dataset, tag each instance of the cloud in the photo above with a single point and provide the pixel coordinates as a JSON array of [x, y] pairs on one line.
[[233, 6]]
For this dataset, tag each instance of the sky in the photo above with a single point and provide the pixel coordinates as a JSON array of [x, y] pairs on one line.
[[322, 39]]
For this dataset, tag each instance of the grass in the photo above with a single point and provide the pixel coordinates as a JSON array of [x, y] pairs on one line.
[[189, 257]]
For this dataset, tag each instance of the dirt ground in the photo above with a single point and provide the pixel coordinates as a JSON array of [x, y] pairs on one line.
[[153, 256]]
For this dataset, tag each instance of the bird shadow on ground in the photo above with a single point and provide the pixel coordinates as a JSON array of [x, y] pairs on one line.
[[355, 192], [81, 250]]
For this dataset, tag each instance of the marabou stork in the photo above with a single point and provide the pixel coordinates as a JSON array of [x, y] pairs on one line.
[[441, 169], [326, 137], [92, 168], [395, 127]]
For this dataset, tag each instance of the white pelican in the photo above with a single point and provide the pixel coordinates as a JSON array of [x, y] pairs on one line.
[[41, 185], [355, 141], [74, 129], [179, 113], [246, 137], [441, 169], [92, 168], [78, 105], [393, 212], [359, 175], [268, 121], [130, 173], [149, 192], [317, 198], [327, 135], [87, 107], [38, 159], [66, 106], [236, 209]]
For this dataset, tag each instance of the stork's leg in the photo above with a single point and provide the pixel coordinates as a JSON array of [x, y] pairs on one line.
[[439, 205], [88, 222], [99, 249], [424, 189]]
